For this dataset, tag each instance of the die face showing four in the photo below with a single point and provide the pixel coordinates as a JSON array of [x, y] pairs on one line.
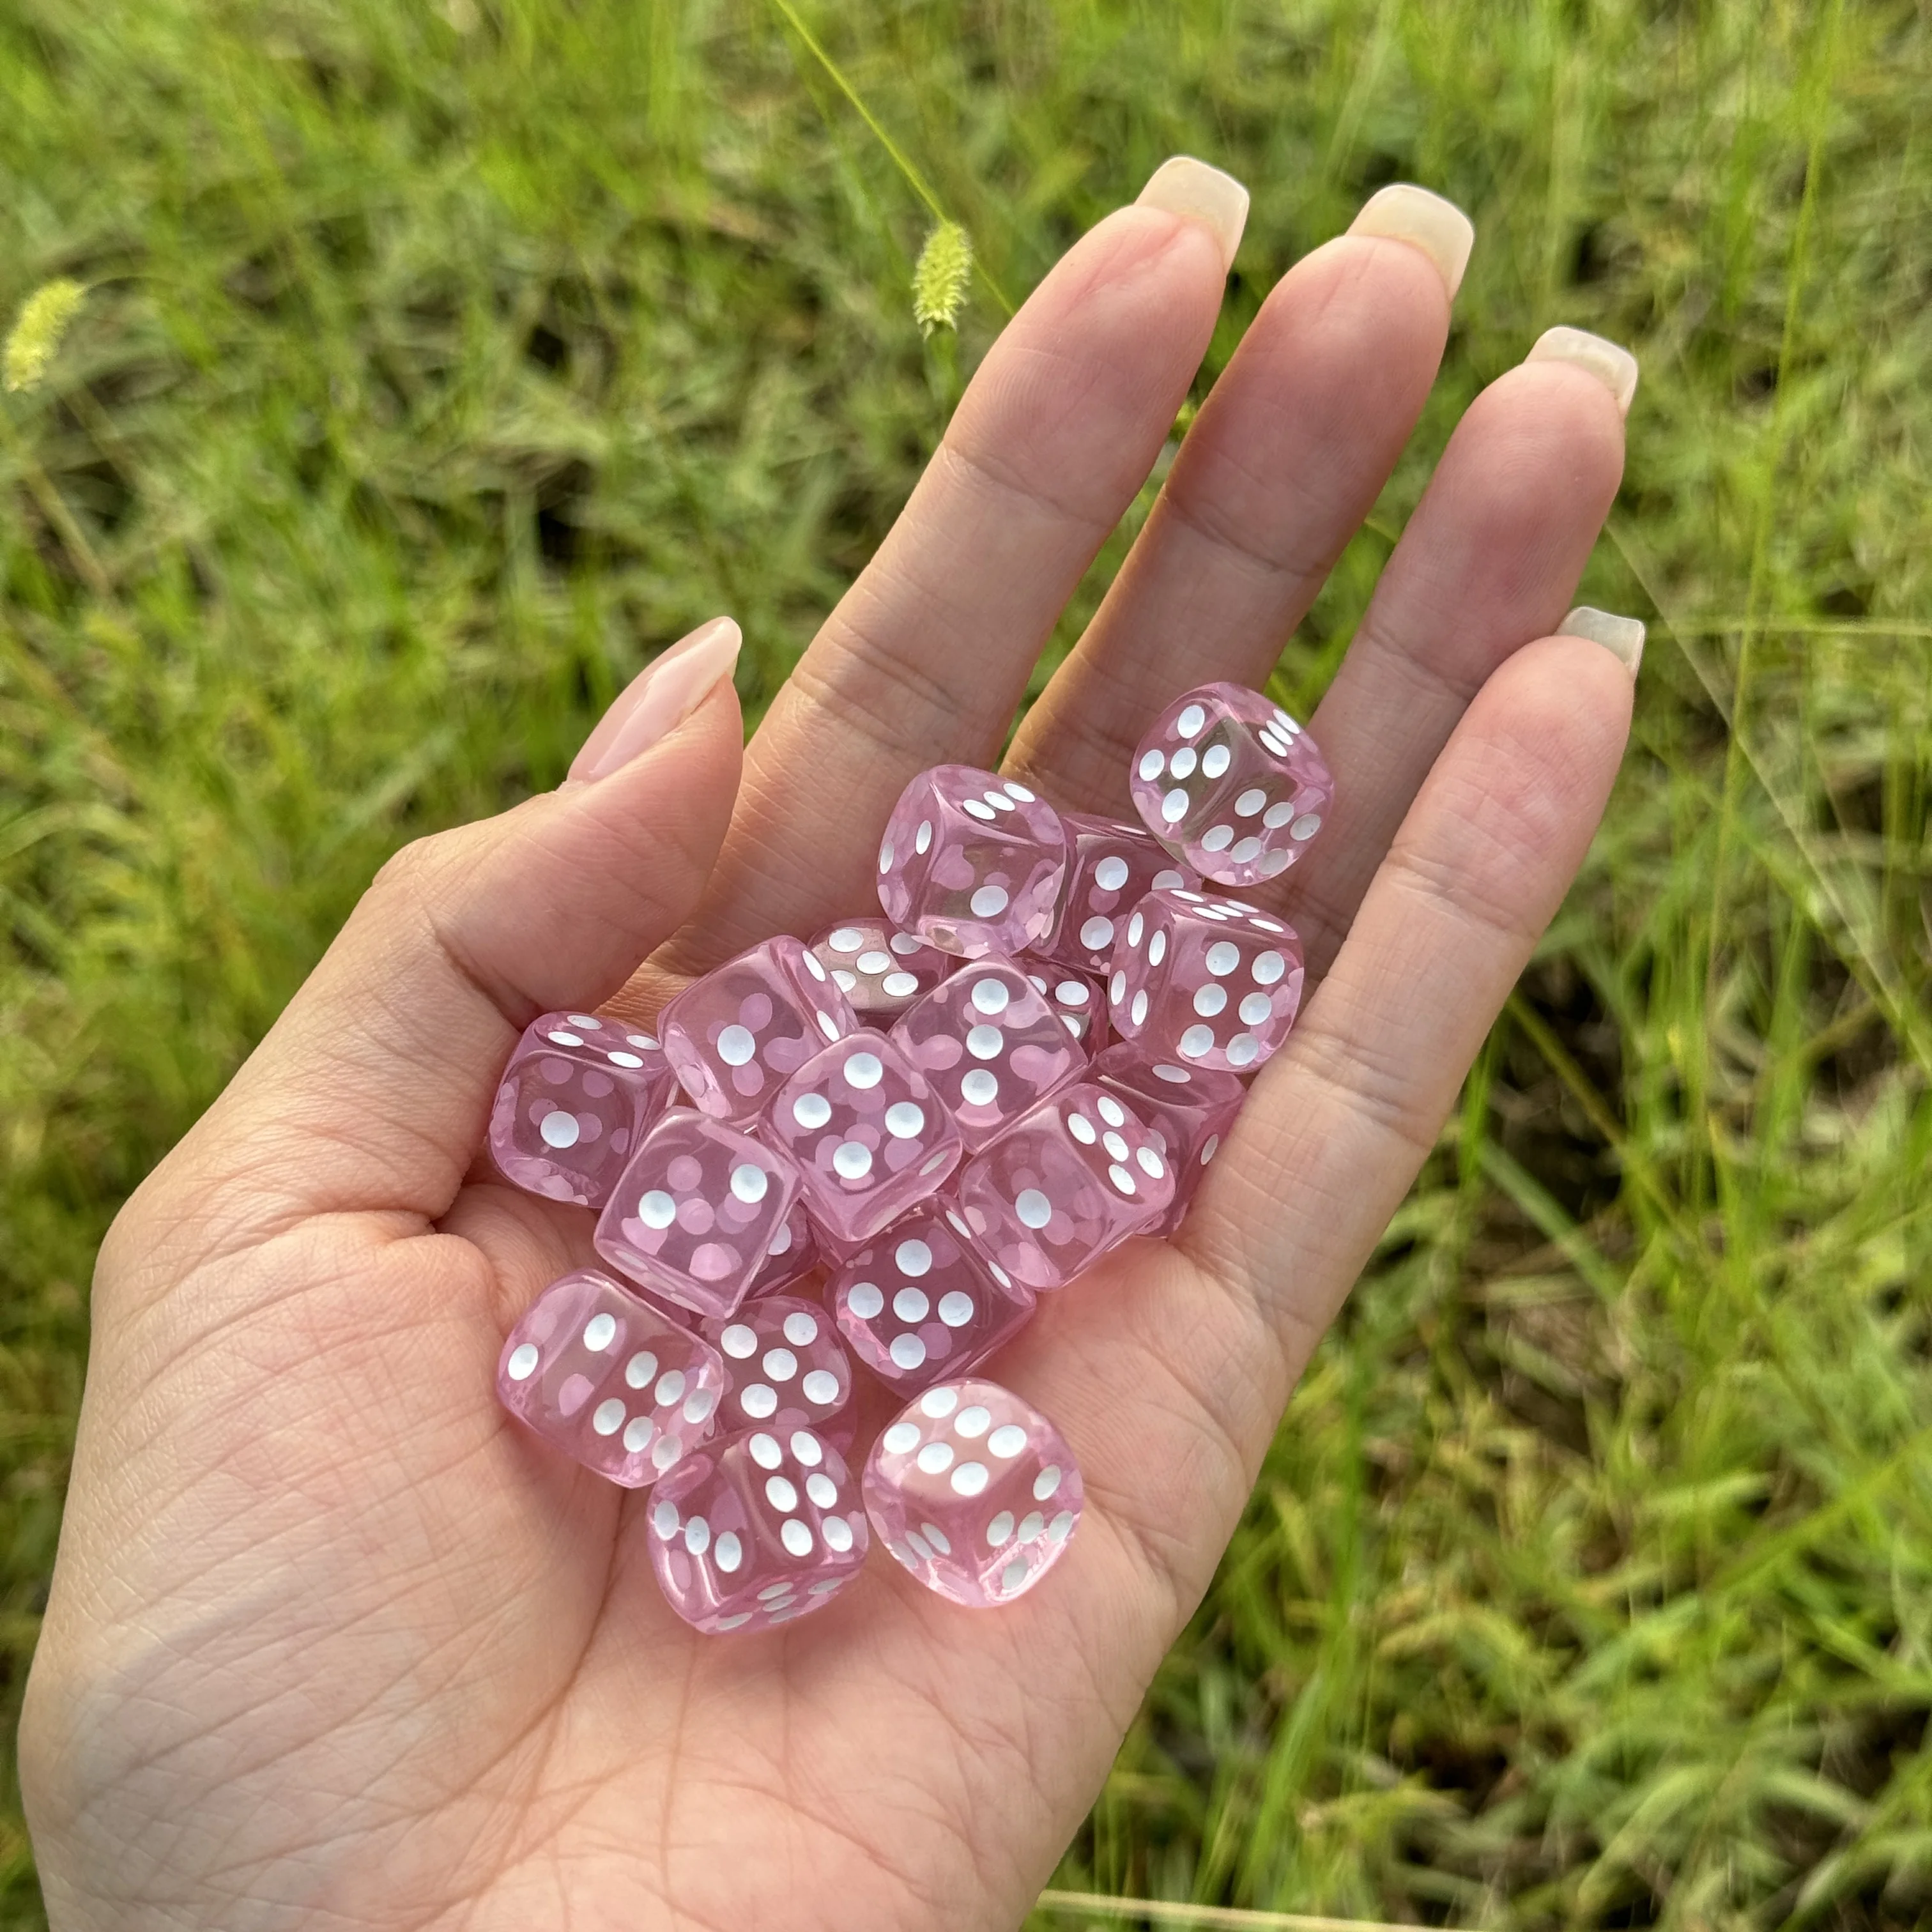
[[764, 1527], [1191, 1109], [972, 863], [974, 1492], [577, 1092], [1066, 1182], [1080, 1001], [793, 1254], [880, 971], [1111, 867], [1208, 983], [783, 1370], [613, 1383], [693, 1216], [1227, 781], [732, 1037]]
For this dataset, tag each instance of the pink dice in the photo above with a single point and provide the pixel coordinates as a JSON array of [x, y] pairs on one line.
[[1210, 982], [792, 1256], [880, 971], [1227, 781], [612, 1383], [1190, 1107], [758, 1530], [972, 863], [1081, 1002], [783, 1370], [919, 1305], [1073, 1178], [733, 1036], [693, 1216], [577, 1092], [1110, 867], [974, 1491]]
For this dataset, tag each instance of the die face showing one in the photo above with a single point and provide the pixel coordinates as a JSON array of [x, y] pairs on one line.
[[1191, 1109], [991, 1044], [972, 863], [1209, 983], [1080, 1001], [613, 1383], [783, 1370], [880, 971], [1227, 781], [732, 1037], [919, 1305], [974, 1491], [763, 1528], [793, 1254], [577, 1092], [693, 1216], [1066, 1182], [1111, 867]]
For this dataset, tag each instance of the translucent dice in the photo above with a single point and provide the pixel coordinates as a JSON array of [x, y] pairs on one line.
[[1111, 868], [1190, 1107], [880, 971], [783, 1370]]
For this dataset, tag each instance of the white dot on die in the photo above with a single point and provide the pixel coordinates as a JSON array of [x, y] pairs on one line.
[[1217, 838], [665, 1519], [990, 996], [969, 1479], [955, 1309], [598, 1333], [821, 1489], [921, 842], [1111, 1111], [1190, 720], [801, 1329], [1151, 765], [780, 1364], [811, 1110], [1165, 881], [667, 1450], [864, 1071], [907, 1351], [697, 1536], [911, 1304], [904, 1120], [796, 1537], [781, 1495], [1173, 806], [1157, 948], [988, 902], [727, 1552], [873, 962], [1183, 762], [1149, 1163], [901, 1437], [1031, 1524], [1178, 1076], [750, 1183], [974, 808], [1213, 1148], [1278, 815], [1214, 760], [736, 1045], [1137, 1013], [819, 1387], [805, 1446], [1115, 1144], [1117, 988], [1210, 999], [846, 939], [522, 1363], [624, 1059], [1136, 925], [852, 1160], [1256, 1008], [563, 1039], [999, 801], [1000, 1530], [1081, 1128], [939, 1403], [738, 1341], [985, 1043], [1196, 1041], [1033, 1208], [1071, 993], [641, 1370], [899, 985], [912, 1258], [657, 1209], [1110, 873], [1245, 849], [560, 1130], [670, 1388], [1250, 801], [1223, 956], [934, 1459], [638, 1433], [979, 1088], [864, 1300], [828, 1026], [973, 1422], [1020, 792], [758, 1401], [838, 1535], [1046, 1482], [765, 1450], [1306, 827], [1121, 1178], [1007, 1441], [1242, 1048], [1267, 967]]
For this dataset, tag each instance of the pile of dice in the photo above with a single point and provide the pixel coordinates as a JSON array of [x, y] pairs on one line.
[[949, 1111]]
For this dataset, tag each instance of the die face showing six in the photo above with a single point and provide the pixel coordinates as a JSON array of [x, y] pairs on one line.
[[1191, 1109], [763, 1528], [693, 1216], [972, 863], [1111, 867], [880, 971], [868, 1134], [974, 1491], [1208, 983], [1066, 1182], [783, 1370], [611, 1382], [919, 1304], [1227, 781], [1080, 1001], [577, 1092], [732, 1037]]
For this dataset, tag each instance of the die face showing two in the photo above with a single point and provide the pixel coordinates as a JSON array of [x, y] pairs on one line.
[[1227, 781], [783, 1370], [613, 1383], [577, 1092], [972, 863], [1111, 867], [1191, 1109], [880, 971], [1209, 983], [974, 1492]]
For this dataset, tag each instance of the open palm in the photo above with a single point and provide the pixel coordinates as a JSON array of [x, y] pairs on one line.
[[332, 1643]]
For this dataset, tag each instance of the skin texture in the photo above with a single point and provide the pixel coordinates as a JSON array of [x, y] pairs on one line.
[[332, 1643]]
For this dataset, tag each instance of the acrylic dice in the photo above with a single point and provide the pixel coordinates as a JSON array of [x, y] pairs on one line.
[[693, 1216], [760, 1529], [617, 1385], [1208, 982], [880, 971], [577, 1092], [1228, 782], [974, 1491], [990, 1043], [1191, 1109], [733, 1036], [1110, 867], [1080, 1002], [783, 1370], [793, 1254], [919, 1305], [972, 863], [1066, 1182]]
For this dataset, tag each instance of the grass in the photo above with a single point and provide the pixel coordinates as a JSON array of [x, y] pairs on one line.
[[439, 363]]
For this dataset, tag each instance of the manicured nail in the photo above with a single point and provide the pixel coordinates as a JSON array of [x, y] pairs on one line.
[[658, 699], [1185, 186], [1405, 213], [1613, 366], [1621, 636]]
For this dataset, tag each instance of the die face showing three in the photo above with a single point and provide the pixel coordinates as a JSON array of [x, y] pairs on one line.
[[1111, 867], [615, 1385], [784, 1368], [972, 863], [1191, 1109], [974, 1492], [1227, 781], [880, 971]]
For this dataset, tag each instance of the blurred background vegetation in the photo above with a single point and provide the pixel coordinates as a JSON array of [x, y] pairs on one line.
[[439, 362]]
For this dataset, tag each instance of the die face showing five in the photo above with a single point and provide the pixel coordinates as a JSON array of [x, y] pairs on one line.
[[764, 1527], [1227, 781], [972, 863], [1209, 983], [1066, 1182], [577, 1092], [880, 971], [919, 1304], [611, 1382], [693, 1216], [1111, 867], [974, 1492], [783, 1370], [1191, 1109], [732, 1037]]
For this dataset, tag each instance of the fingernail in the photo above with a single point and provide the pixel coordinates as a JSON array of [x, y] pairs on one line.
[[1185, 186], [1621, 636], [1612, 365], [658, 699], [1404, 212]]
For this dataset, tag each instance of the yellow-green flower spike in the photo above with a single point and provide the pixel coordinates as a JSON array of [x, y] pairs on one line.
[[940, 278], [37, 335]]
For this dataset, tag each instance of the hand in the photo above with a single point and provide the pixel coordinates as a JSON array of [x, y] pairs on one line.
[[332, 1643]]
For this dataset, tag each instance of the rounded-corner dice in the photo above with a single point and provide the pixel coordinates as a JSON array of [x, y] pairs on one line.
[[784, 1368], [1080, 1002], [972, 863], [1228, 781], [974, 1491], [613, 1383], [1111, 867], [1191, 1107], [578, 1091], [880, 971]]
